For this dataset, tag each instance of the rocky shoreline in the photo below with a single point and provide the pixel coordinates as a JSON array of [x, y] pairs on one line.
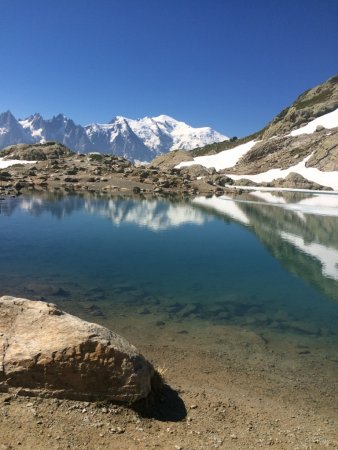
[[60, 170], [57, 169]]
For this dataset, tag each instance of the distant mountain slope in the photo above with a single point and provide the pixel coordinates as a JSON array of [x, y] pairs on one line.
[[58, 129], [11, 132], [141, 139]]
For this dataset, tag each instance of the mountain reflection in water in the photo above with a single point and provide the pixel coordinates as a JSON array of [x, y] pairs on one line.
[[152, 214], [301, 231]]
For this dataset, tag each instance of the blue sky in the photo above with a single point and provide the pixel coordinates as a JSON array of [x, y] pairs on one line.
[[228, 64]]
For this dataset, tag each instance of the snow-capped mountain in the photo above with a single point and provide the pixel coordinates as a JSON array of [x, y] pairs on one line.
[[11, 131], [141, 139], [60, 129], [118, 138], [163, 131]]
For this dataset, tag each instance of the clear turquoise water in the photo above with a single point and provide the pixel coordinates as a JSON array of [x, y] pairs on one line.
[[179, 259]]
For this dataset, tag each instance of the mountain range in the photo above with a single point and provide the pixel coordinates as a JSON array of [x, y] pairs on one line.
[[136, 140]]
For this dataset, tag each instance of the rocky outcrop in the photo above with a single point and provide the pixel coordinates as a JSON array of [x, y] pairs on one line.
[[296, 181], [313, 103], [47, 352], [171, 159], [197, 171], [325, 156], [283, 152], [36, 152]]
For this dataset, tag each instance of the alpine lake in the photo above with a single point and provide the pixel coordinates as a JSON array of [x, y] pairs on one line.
[[188, 272]]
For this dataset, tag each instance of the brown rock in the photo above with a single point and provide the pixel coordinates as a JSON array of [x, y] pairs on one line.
[[196, 171], [171, 159], [47, 352], [325, 155], [297, 181], [36, 152], [286, 151]]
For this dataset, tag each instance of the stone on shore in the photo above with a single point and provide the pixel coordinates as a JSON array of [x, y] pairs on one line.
[[47, 352]]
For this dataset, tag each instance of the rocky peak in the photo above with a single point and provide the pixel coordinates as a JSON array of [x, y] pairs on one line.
[[313, 103], [11, 131], [7, 119]]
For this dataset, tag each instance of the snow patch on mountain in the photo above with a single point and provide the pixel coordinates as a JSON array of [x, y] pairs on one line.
[[229, 158], [4, 163], [222, 160], [329, 121], [310, 173]]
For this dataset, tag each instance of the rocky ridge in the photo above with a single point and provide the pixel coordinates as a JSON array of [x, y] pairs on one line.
[[278, 146], [315, 102], [283, 152]]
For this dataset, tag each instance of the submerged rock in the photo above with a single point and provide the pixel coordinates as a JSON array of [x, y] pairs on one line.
[[47, 352]]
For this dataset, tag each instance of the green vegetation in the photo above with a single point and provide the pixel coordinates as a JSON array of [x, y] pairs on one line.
[[218, 147], [319, 98], [95, 156]]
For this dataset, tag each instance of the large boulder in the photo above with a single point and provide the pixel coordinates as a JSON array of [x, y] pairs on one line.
[[169, 160], [296, 181], [196, 170], [47, 352]]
